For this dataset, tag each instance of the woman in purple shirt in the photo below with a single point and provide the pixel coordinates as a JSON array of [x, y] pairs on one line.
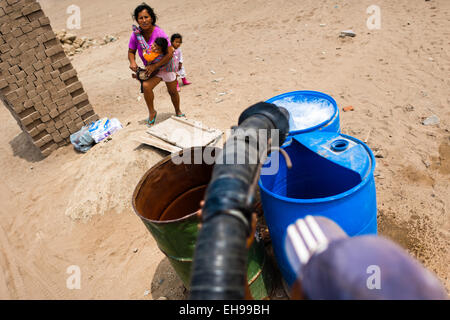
[[146, 19]]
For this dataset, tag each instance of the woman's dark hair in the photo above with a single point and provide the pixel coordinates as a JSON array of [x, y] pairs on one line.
[[162, 43], [176, 36], [143, 7]]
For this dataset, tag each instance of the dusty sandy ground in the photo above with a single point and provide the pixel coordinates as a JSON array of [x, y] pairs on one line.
[[75, 209]]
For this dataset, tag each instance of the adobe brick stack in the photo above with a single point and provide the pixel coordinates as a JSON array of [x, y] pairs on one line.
[[38, 83]]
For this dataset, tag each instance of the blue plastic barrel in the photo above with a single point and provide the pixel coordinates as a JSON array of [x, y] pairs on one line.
[[317, 111], [331, 176]]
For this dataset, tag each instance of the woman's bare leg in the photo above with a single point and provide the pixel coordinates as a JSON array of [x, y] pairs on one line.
[[174, 96], [149, 96]]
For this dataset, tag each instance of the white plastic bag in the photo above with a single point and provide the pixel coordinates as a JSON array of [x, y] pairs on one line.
[[103, 128]]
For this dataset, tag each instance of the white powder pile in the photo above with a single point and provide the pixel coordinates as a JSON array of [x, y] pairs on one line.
[[307, 113]]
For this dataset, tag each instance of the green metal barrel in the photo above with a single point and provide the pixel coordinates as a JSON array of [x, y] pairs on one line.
[[167, 199]]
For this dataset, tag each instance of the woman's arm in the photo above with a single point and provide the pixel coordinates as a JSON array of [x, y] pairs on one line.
[[132, 59], [152, 67]]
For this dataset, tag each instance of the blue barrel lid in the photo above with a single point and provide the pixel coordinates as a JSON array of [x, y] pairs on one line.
[[344, 150], [322, 109]]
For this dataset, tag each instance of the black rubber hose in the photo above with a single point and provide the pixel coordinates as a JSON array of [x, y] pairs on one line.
[[220, 259]]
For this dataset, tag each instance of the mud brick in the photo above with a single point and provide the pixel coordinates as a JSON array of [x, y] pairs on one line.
[[54, 74], [61, 109], [14, 70], [41, 127], [84, 110], [51, 129], [21, 82], [68, 74], [31, 79], [80, 98], [47, 102], [56, 65], [5, 28], [53, 91], [35, 115], [40, 56], [73, 116], [50, 35], [59, 102], [5, 48], [48, 69], [11, 87], [11, 79], [29, 86], [56, 81], [39, 88], [45, 95], [12, 95], [27, 28], [45, 118], [3, 83], [15, 52], [73, 128], [59, 124], [17, 32], [74, 87], [8, 9], [44, 21], [47, 77], [62, 93], [29, 119], [67, 120], [21, 75], [40, 143], [56, 137], [91, 119], [60, 86], [48, 150], [20, 92], [39, 74], [18, 107], [64, 62], [14, 43], [35, 15], [64, 133], [36, 99], [38, 66], [35, 24], [31, 8], [54, 50], [28, 104], [53, 113], [33, 132], [52, 106], [48, 85]]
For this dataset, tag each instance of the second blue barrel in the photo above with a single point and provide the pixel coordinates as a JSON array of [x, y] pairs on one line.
[[309, 111], [332, 176]]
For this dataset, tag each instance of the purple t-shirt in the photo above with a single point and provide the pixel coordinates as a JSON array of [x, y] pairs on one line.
[[157, 33]]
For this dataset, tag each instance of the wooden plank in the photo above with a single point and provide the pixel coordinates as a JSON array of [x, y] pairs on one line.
[[158, 143], [193, 134]]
